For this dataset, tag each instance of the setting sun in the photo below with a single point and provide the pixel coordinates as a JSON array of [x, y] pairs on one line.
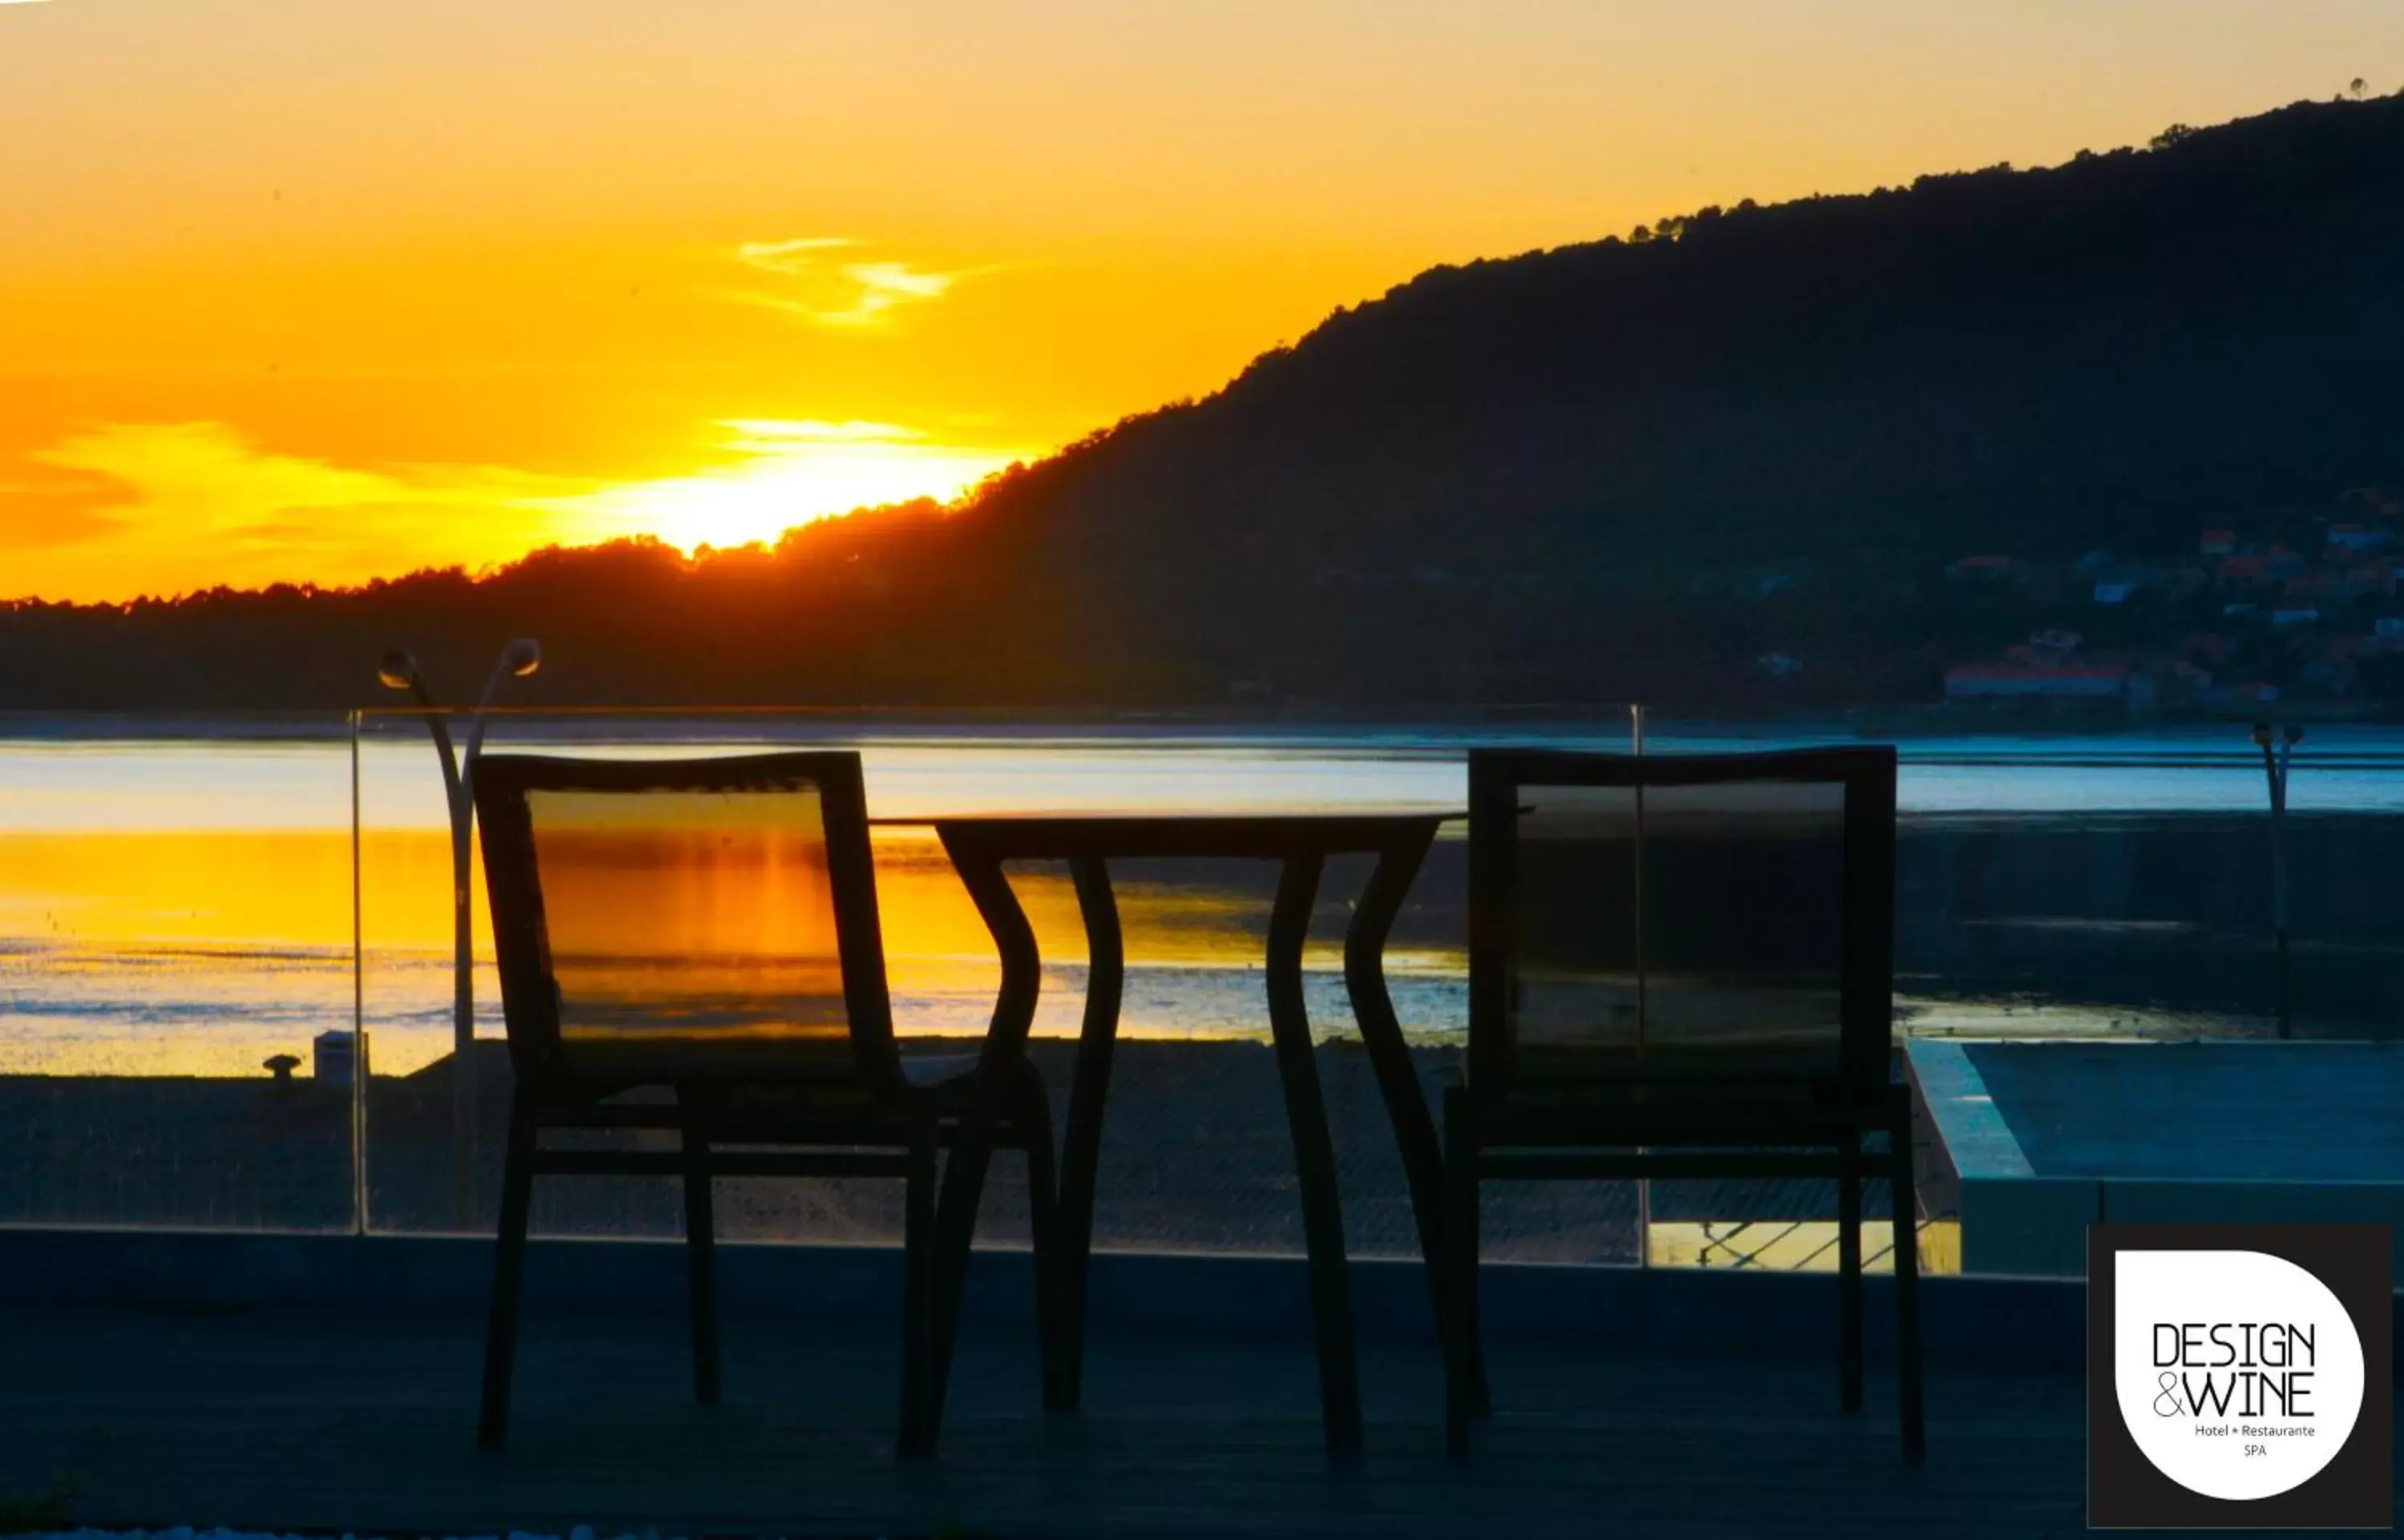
[[789, 474]]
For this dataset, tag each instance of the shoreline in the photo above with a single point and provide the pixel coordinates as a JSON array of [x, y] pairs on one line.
[[1316, 723]]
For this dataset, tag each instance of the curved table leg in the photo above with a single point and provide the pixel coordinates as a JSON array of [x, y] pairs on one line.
[[1415, 1135], [1314, 1154], [963, 1184], [1081, 1151]]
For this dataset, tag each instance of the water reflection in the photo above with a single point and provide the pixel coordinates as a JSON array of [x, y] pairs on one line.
[[185, 907], [204, 952]]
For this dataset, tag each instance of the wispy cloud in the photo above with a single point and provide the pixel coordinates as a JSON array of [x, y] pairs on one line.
[[790, 257], [765, 434], [823, 289]]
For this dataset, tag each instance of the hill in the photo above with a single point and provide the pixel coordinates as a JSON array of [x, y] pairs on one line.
[[1620, 468]]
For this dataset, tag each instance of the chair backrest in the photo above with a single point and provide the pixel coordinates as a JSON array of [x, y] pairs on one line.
[[1680, 917], [687, 920]]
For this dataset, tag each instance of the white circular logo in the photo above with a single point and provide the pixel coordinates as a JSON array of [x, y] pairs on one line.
[[2239, 1373]]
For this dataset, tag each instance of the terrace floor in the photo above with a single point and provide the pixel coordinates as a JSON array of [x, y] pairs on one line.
[[347, 1419]]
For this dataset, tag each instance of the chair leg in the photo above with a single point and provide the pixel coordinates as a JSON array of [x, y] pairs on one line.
[[1849, 1273], [918, 1298], [701, 1265], [1907, 1289], [1459, 1331], [957, 1204], [509, 1276], [1044, 1227]]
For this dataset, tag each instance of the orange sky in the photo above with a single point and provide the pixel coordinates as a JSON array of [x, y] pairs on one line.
[[299, 290]]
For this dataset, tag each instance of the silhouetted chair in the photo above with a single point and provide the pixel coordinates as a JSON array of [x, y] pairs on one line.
[[708, 928], [1681, 966]]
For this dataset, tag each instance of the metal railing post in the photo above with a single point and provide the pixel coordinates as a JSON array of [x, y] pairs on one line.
[[1643, 1183], [359, 1010], [2278, 750]]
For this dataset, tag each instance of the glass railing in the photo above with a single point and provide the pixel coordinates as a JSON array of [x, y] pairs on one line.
[[176, 955], [2099, 888], [209, 928], [1196, 1153], [2122, 884]]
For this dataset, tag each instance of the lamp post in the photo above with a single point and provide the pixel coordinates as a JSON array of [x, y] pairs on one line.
[[2278, 748], [398, 671]]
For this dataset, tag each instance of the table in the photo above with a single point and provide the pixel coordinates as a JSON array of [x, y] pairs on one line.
[[981, 845]]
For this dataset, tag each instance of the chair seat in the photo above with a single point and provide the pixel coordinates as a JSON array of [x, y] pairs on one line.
[[801, 1061], [1768, 1062], [664, 1059], [780, 1107], [939, 1071]]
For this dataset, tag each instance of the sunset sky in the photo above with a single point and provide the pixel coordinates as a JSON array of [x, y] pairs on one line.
[[306, 290]]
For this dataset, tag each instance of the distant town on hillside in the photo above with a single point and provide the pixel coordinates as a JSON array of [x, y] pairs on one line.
[[2246, 618]]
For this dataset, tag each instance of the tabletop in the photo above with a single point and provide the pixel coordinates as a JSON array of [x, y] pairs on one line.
[[1060, 835]]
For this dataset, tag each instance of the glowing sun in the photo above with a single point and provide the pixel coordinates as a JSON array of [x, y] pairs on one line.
[[791, 474]]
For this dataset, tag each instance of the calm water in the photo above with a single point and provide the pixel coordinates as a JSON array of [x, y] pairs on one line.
[[184, 904]]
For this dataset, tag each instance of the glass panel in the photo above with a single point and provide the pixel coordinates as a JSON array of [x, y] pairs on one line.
[[2095, 884], [1669, 929], [175, 911], [176, 908], [174, 972], [697, 924], [1578, 976], [1195, 1150], [1743, 887], [2118, 883]]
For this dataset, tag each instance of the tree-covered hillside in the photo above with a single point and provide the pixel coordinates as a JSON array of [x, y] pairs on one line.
[[1625, 467]]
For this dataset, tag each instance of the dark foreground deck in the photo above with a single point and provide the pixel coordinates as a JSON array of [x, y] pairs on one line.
[[326, 1383], [323, 1418]]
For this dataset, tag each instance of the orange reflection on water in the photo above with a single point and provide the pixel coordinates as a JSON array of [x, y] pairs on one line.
[[292, 888], [205, 951], [277, 888]]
